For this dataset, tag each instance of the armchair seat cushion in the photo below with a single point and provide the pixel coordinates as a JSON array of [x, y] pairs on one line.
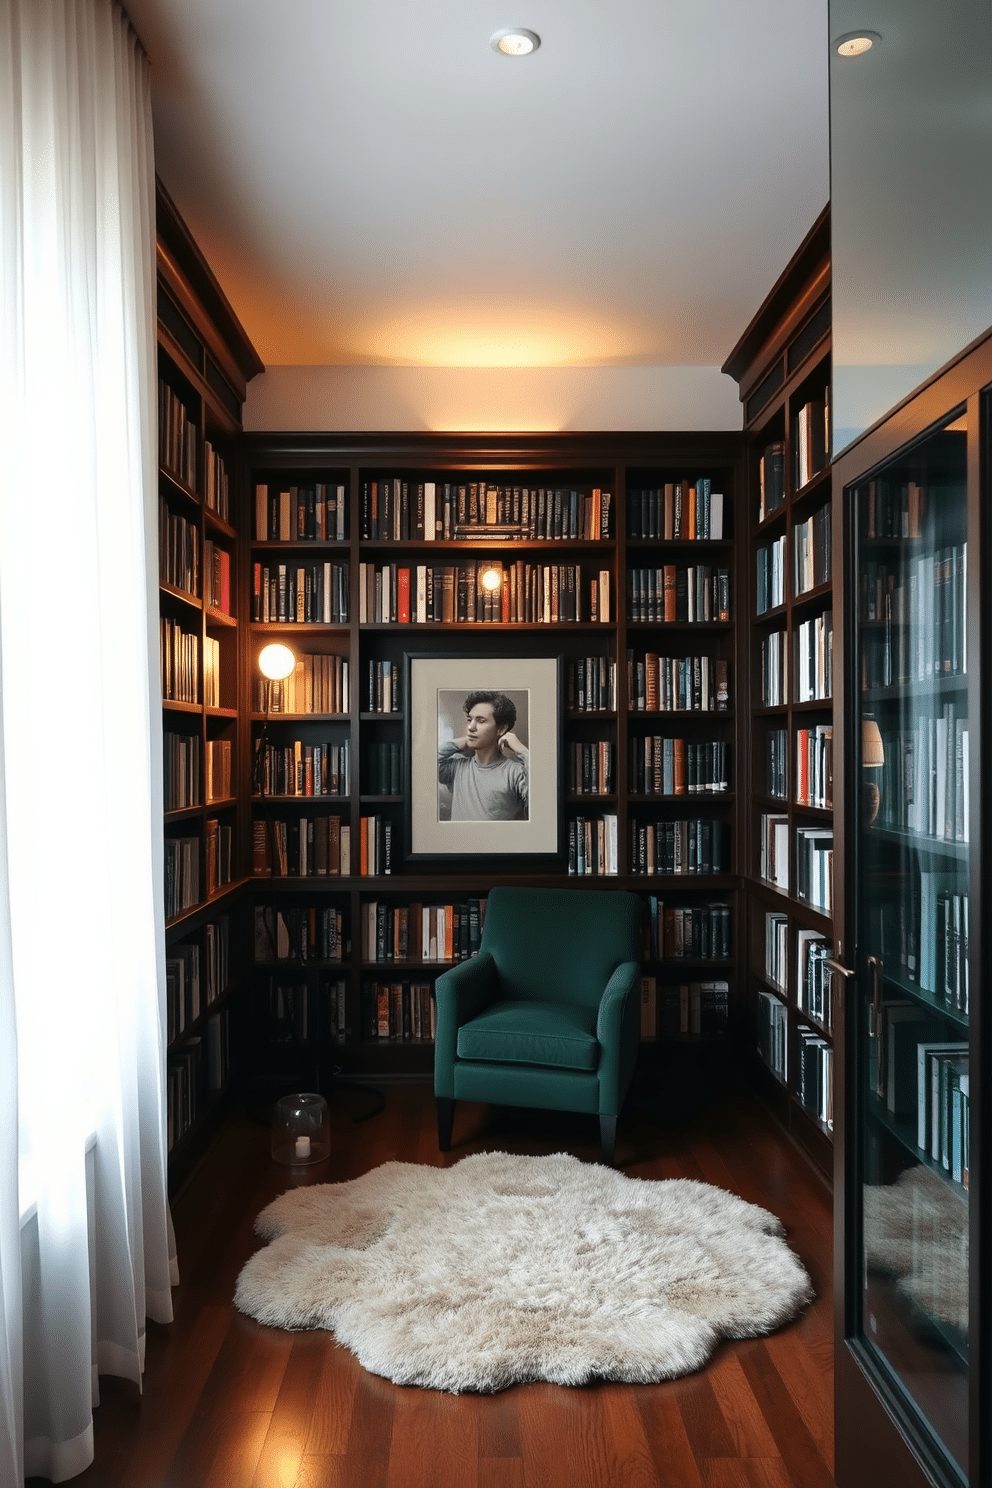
[[514, 1032]]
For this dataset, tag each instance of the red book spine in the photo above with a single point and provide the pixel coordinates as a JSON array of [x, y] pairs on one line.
[[403, 596]]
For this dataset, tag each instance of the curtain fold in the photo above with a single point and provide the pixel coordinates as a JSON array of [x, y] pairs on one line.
[[81, 942]]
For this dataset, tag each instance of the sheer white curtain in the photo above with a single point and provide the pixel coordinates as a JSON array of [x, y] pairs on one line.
[[85, 1238]]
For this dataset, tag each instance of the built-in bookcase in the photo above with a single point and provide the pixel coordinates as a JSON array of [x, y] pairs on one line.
[[782, 365], [522, 547], [204, 359]]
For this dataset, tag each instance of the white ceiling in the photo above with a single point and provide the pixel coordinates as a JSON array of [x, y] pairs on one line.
[[373, 185]]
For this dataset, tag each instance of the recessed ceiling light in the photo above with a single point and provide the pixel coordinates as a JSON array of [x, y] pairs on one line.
[[514, 41], [856, 43]]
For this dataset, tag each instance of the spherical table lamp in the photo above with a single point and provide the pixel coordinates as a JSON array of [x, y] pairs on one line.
[[301, 1130]]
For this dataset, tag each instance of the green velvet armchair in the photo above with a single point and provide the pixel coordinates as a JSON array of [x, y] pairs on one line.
[[548, 1012]]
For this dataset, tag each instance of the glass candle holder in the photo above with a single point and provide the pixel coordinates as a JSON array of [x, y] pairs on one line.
[[301, 1130]]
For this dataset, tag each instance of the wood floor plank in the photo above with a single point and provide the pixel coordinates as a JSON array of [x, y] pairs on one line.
[[666, 1435], [583, 1438], [371, 1433], [320, 1472], [705, 1423], [796, 1445], [747, 1426], [238, 1451], [499, 1425], [501, 1472], [332, 1401], [435, 1442]]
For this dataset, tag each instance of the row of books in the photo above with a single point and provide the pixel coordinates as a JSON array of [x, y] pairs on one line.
[[482, 592], [301, 769], [695, 932], [815, 867], [422, 932], [178, 551], [219, 854], [697, 594], [384, 768], [922, 929], [677, 767], [216, 576], [771, 479], [182, 874], [774, 656], [217, 762], [382, 687], [815, 766], [772, 1033], [916, 612], [423, 511], [398, 1010], [814, 979], [811, 433], [678, 684], [297, 1013], [176, 436], [777, 763], [686, 1010], [592, 845], [312, 512], [590, 767], [591, 685], [195, 976], [769, 590], [678, 511], [300, 594], [375, 845], [924, 780], [699, 845], [180, 771], [179, 662], [811, 551], [317, 684], [302, 847], [815, 658], [773, 849], [216, 485], [185, 1096], [815, 1075], [300, 933], [923, 1076], [892, 510]]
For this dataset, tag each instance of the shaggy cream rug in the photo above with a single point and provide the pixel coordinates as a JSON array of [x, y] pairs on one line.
[[502, 1269]]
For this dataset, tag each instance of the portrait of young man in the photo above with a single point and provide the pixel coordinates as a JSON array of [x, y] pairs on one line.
[[483, 761]]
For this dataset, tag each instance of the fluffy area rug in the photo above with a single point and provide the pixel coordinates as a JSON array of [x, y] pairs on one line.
[[503, 1269]]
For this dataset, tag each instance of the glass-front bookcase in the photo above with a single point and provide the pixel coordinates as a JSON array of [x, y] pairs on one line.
[[913, 1351], [913, 847]]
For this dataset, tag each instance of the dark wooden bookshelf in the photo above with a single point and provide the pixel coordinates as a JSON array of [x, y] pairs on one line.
[[781, 364]]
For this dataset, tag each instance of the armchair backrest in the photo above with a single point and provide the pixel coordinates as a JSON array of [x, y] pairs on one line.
[[560, 945]]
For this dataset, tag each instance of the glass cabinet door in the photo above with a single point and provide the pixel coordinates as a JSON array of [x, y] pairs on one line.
[[911, 829]]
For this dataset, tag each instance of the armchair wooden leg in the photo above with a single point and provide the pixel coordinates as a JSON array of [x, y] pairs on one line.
[[608, 1139], [445, 1122]]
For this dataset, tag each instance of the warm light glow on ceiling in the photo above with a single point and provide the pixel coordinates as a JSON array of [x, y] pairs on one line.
[[515, 42], [856, 43]]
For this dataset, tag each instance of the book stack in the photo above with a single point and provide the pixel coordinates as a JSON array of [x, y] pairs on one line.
[[673, 595], [303, 513], [592, 685], [696, 932], [678, 684]]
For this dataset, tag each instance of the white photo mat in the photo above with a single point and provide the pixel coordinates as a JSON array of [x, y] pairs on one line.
[[433, 677]]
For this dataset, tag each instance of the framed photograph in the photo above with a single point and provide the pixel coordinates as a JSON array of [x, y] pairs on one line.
[[483, 750]]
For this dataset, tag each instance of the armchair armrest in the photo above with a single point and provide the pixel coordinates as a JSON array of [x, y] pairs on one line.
[[460, 994], [618, 1029]]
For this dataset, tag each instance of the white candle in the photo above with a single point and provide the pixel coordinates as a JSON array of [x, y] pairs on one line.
[[303, 1146]]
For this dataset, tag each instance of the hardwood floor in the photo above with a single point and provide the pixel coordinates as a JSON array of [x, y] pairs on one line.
[[228, 1403]]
